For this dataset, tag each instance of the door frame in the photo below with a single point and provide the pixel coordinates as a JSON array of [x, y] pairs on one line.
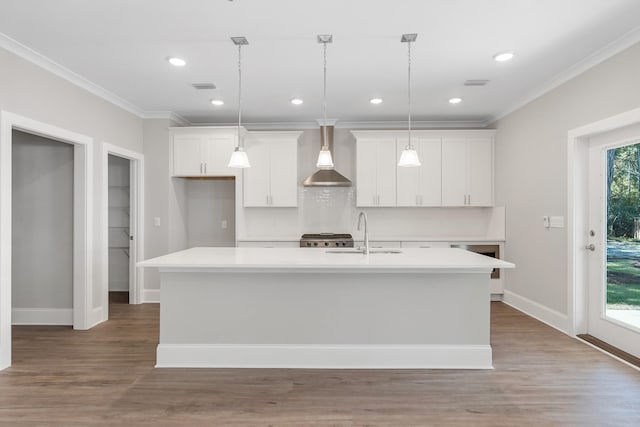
[[136, 211], [578, 212], [82, 222]]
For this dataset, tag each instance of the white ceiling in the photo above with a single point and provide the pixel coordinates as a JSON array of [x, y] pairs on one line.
[[121, 46]]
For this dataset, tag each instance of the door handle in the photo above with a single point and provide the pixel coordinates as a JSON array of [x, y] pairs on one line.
[[591, 247]]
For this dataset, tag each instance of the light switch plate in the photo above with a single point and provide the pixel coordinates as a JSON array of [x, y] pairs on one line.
[[546, 222], [556, 222]]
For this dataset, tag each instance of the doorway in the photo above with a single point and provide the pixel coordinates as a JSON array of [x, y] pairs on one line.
[[83, 312], [123, 210], [613, 243], [119, 223], [604, 230], [42, 231]]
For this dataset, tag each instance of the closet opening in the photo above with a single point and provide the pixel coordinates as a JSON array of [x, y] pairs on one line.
[[42, 230], [119, 235]]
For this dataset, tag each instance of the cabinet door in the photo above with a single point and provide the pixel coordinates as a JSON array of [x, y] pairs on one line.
[[430, 173], [283, 173], [480, 170], [256, 178], [366, 170], [408, 179], [216, 154], [422, 185], [454, 171], [386, 172], [187, 155]]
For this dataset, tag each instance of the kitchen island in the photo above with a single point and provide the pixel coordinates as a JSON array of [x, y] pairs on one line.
[[317, 308]]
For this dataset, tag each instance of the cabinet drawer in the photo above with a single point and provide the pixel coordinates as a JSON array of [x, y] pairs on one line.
[[268, 244], [426, 244]]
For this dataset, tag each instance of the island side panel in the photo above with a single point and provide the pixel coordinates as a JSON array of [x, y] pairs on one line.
[[311, 310]]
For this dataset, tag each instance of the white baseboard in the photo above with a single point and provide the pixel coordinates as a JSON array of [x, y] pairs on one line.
[[96, 317], [324, 356], [150, 295], [538, 311], [42, 316]]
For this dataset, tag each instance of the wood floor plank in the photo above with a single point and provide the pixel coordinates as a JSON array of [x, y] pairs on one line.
[[105, 376]]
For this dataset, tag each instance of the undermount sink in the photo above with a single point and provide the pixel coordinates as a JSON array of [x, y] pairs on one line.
[[361, 251]]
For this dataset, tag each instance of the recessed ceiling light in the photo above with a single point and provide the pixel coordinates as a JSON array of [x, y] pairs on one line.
[[376, 101], [455, 100], [177, 62], [217, 102], [503, 56], [296, 101]]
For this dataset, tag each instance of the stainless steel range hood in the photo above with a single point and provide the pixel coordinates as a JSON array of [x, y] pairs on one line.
[[327, 177]]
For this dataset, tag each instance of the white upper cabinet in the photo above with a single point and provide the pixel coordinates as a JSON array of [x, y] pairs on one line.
[[376, 171], [422, 185], [272, 179], [456, 168], [467, 171], [203, 151]]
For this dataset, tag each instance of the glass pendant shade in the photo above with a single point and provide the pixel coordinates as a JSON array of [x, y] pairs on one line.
[[325, 161], [409, 158], [239, 159]]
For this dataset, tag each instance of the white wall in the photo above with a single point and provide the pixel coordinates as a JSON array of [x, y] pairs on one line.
[[208, 203], [531, 175], [33, 92], [42, 228], [161, 201]]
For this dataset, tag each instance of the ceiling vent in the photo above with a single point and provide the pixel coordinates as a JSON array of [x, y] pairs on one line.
[[203, 86], [479, 82]]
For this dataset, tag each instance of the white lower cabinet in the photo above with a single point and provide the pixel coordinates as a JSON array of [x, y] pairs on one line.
[[268, 244], [379, 244], [272, 179], [426, 245]]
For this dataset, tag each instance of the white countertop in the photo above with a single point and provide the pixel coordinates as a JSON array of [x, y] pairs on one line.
[[431, 260]]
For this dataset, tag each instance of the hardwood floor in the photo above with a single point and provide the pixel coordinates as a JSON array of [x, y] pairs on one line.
[[105, 376]]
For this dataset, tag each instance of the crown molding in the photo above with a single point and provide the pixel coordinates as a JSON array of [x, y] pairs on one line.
[[285, 126], [42, 61], [624, 42], [364, 125], [415, 125], [167, 115]]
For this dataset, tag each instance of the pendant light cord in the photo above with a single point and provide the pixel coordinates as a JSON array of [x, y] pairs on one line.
[[325, 145], [409, 94], [239, 92]]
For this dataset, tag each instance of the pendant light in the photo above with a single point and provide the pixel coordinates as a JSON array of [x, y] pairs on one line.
[[409, 156], [325, 161], [239, 157]]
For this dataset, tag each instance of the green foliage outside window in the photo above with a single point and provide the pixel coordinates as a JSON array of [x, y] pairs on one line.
[[623, 196]]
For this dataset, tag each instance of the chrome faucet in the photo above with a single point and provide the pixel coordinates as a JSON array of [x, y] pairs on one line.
[[366, 231]]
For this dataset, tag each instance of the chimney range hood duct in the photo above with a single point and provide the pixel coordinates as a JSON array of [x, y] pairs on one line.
[[327, 177]]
